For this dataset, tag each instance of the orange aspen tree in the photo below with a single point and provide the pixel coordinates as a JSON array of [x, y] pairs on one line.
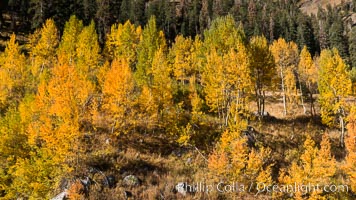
[[350, 143], [117, 89]]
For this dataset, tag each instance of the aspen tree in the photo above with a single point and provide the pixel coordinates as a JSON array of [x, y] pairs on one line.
[[162, 88], [350, 143], [316, 166], [87, 52], [117, 92], [286, 57], [151, 40], [262, 70], [182, 63], [307, 74], [334, 85], [227, 83], [238, 162], [66, 51], [122, 42], [13, 73], [42, 45]]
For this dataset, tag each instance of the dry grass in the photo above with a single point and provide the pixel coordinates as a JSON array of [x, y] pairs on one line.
[[160, 163]]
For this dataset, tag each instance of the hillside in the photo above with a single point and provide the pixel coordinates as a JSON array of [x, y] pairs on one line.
[[311, 6], [199, 99]]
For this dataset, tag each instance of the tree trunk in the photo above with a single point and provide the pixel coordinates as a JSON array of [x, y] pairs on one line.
[[342, 126], [312, 109], [301, 95], [284, 95]]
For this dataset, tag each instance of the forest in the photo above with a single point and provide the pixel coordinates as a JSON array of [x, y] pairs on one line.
[[182, 99]]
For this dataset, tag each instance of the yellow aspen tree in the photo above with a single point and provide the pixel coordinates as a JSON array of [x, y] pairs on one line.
[[151, 40], [263, 70], [185, 58], [238, 77], [42, 46], [148, 109], [307, 74], [66, 51], [239, 163], [223, 35], [215, 84], [162, 87], [316, 166], [13, 147], [334, 86], [350, 143], [285, 56], [227, 83], [117, 92], [87, 52], [122, 42], [290, 90], [195, 100], [13, 73], [182, 63]]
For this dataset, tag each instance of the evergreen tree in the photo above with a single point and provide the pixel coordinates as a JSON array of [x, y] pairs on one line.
[[352, 47]]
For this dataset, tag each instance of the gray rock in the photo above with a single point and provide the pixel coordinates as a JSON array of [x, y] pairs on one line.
[[131, 180]]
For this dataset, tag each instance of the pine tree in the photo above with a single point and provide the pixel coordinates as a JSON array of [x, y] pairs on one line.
[[352, 47], [334, 85]]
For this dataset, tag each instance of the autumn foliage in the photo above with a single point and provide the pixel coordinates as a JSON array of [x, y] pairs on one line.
[[199, 91]]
